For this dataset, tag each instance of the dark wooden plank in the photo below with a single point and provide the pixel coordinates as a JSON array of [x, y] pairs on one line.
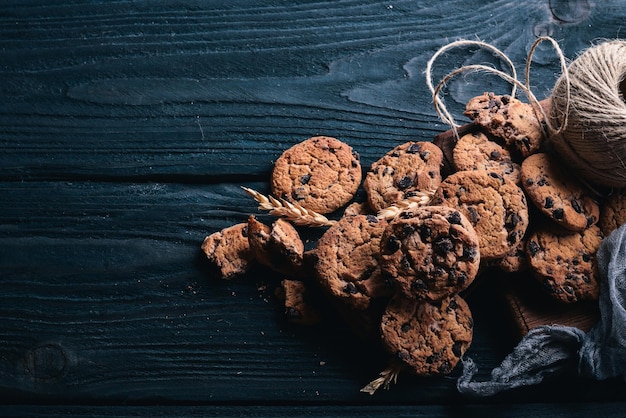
[[562, 410], [123, 89]]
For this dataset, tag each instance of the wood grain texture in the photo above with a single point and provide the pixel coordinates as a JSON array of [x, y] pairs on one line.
[[126, 129]]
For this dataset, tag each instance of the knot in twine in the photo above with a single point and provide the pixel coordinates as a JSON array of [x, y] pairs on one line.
[[593, 118]]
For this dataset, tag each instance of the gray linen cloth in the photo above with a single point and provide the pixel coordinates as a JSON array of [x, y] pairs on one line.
[[554, 349]]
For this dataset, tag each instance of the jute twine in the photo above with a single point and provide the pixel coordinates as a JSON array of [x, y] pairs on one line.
[[593, 140], [586, 125]]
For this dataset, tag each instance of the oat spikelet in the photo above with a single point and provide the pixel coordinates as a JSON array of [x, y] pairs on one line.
[[417, 200], [384, 379], [290, 211]]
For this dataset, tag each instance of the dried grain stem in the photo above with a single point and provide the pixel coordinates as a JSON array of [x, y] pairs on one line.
[[418, 199], [291, 211], [385, 378]]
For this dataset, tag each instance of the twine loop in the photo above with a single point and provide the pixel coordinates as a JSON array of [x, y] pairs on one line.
[[586, 121]]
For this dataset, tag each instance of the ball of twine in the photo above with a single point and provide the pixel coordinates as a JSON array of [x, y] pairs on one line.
[[589, 111]]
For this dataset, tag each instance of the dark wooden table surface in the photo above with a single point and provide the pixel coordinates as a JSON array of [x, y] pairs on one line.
[[127, 129]]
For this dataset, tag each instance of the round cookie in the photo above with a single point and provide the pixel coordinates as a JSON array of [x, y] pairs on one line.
[[474, 151], [430, 252], [279, 247], [514, 121], [564, 261], [428, 337], [347, 263], [229, 250], [409, 167], [495, 206], [613, 212], [556, 194], [321, 174]]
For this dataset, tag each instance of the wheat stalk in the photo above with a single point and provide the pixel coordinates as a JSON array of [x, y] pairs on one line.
[[290, 211], [384, 379], [418, 199]]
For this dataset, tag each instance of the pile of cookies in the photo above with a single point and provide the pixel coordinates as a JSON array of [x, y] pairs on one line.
[[434, 218]]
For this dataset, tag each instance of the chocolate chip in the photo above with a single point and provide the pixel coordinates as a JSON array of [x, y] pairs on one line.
[[533, 248], [543, 182], [512, 220], [443, 246], [457, 347], [372, 219], [414, 148], [425, 233], [405, 182], [350, 288], [568, 289], [469, 253], [473, 214], [455, 218], [418, 285], [590, 221], [305, 179], [407, 229], [530, 182], [576, 206], [405, 263], [512, 237], [496, 176], [298, 194], [406, 327], [425, 155], [493, 105], [495, 155], [445, 367], [558, 213], [392, 245], [549, 203], [433, 358], [586, 258]]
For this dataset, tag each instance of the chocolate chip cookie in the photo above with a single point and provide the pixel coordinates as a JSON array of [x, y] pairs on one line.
[[613, 212], [348, 261], [430, 252], [321, 174], [229, 250], [278, 247], [495, 206], [510, 119], [564, 261], [557, 194], [428, 337], [409, 167], [475, 151]]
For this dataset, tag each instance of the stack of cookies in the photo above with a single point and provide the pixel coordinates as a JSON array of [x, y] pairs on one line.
[[434, 218]]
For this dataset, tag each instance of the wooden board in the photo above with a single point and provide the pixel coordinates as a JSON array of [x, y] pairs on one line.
[[126, 130]]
